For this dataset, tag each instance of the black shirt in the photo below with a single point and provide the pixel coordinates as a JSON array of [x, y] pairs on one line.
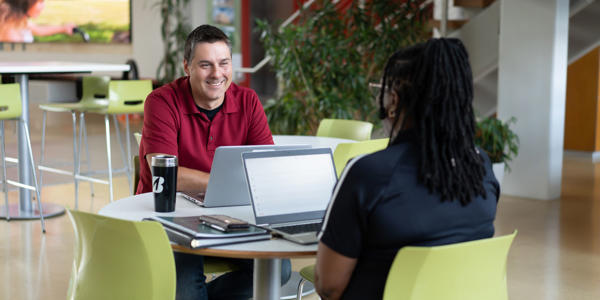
[[379, 207], [210, 114]]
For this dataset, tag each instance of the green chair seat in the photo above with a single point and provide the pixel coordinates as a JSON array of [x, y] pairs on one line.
[[346, 151], [75, 106], [308, 273], [345, 129], [217, 265]]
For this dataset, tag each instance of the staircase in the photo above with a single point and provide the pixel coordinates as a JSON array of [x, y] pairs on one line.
[[480, 36]]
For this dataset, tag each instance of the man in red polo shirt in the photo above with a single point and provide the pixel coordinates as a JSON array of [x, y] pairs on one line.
[[195, 114], [189, 118]]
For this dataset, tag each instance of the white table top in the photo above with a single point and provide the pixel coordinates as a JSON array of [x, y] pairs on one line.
[[314, 141], [32, 67], [141, 206]]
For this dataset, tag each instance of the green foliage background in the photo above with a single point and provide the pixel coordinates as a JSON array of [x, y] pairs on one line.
[[325, 61], [174, 29]]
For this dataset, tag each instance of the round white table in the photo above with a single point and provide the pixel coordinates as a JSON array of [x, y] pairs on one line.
[[267, 254]]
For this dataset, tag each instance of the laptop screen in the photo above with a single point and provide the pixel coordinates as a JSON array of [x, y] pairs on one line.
[[288, 186]]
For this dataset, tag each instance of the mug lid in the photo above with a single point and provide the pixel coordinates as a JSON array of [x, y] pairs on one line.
[[164, 160]]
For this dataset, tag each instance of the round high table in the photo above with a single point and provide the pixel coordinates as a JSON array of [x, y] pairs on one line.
[[267, 254], [21, 71]]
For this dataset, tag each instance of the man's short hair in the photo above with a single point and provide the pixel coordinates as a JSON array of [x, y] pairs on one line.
[[203, 34]]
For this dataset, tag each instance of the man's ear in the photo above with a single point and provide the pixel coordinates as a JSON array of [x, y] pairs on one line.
[[185, 67]]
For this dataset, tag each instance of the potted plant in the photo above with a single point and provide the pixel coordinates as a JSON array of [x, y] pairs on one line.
[[499, 142], [325, 61]]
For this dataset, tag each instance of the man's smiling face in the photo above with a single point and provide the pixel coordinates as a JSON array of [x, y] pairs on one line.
[[210, 73]]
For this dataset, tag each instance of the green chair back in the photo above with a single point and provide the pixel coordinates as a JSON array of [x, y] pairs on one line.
[[10, 101], [346, 151], [94, 91], [127, 96], [118, 259], [464, 271], [345, 129]]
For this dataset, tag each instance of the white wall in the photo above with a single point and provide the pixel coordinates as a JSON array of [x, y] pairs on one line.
[[532, 87], [146, 47]]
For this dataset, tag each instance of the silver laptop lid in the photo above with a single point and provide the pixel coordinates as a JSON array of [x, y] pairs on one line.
[[290, 186], [227, 183]]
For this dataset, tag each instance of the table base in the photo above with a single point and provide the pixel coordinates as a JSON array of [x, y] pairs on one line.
[[49, 210]]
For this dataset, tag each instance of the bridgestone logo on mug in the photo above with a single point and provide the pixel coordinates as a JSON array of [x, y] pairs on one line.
[[157, 184]]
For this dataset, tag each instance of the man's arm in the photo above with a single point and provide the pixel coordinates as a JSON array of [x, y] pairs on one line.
[[50, 30], [332, 272], [188, 180]]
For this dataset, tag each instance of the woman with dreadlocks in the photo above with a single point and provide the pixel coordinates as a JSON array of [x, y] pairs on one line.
[[431, 186]]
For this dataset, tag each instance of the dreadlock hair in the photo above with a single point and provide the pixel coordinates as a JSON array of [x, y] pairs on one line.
[[434, 85]]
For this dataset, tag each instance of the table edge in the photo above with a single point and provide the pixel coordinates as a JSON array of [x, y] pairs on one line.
[[243, 254]]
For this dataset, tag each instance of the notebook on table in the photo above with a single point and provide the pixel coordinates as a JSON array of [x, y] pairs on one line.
[[193, 233], [290, 190], [227, 184]]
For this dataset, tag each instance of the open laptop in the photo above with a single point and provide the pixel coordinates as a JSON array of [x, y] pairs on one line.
[[290, 190], [227, 182]]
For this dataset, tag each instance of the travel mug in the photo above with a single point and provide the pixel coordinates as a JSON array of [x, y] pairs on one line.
[[164, 182]]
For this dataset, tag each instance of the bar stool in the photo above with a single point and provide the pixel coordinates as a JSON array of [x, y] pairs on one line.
[[124, 97], [10, 109], [94, 91]]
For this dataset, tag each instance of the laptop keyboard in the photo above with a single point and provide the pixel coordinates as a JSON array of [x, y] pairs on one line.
[[293, 229]]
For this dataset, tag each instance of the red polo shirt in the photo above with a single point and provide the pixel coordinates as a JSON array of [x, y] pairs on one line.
[[174, 125]]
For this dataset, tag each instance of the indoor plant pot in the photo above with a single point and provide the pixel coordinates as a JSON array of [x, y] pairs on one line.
[[499, 142]]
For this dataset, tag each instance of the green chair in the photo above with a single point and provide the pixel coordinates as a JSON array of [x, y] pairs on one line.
[[472, 270], [10, 109], [345, 129], [346, 151], [118, 259], [94, 92], [308, 274], [125, 97]]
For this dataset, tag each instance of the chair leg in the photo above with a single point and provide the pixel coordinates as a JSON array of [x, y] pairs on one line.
[[4, 184], [123, 158], [43, 146], [37, 188], [87, 148], [128, 143], [300, 288], [107, 129], [75, 159]]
